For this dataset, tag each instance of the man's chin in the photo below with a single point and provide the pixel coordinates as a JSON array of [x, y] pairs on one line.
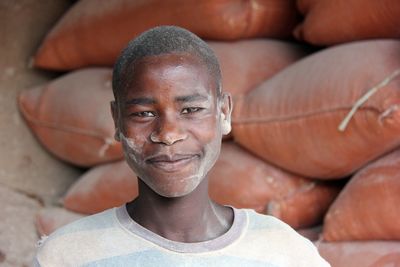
[[178, 189]]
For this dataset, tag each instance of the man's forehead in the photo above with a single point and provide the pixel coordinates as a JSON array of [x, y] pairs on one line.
[[170, 63], [178, 61], [196, 97]]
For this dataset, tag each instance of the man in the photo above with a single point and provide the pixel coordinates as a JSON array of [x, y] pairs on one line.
[[170, 114]]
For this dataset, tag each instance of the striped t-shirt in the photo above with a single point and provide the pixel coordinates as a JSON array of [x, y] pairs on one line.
[[112, 238]]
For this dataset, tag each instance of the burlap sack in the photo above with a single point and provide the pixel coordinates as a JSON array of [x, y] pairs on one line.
[[17, 227], [242, 180], [94, 32], [368, 207], [50, 219], [330, 22], [328, 114], [71, 117], [246, 64], [102, 187], [361, 254], [311, 233], [305, 207]]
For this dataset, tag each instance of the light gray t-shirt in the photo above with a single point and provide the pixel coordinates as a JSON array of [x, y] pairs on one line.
[[112, 238]]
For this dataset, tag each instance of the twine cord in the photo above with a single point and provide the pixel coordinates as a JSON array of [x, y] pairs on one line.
[[343, 125]]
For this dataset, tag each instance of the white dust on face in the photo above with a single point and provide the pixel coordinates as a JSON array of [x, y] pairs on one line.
[[211, 151], [133, 150], [170, 187]]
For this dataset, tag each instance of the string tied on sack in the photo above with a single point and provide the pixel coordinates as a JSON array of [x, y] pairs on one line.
[[343, 125]]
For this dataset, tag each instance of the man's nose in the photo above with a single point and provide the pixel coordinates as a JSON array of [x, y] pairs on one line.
[[169, 131]]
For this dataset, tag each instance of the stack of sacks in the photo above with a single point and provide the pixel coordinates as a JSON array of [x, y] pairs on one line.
[[365, 213], [329, 22], [368, 207], [102, 187], [357, 254], [93, 32], [71, 117], [71, 127], [307, 119], [258, 185], [327, 116], [366, 210]]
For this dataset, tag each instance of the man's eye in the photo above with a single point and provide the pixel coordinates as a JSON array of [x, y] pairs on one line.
[[144, 114], [191, 110]]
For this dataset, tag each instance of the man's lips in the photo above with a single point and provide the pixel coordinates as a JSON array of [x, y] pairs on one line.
[[171, 163]]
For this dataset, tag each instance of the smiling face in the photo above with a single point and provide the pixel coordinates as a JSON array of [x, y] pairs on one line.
[[169, 122]]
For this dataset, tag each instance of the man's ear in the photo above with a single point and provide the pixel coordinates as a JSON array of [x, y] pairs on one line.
[[115, 115], [226, 112]]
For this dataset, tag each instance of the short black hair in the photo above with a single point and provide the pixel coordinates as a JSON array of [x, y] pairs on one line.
[[163, 40]]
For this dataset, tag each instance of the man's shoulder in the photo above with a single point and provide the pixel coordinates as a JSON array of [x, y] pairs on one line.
[[272, 228], [259, 221], [78, 237], [102, 220]]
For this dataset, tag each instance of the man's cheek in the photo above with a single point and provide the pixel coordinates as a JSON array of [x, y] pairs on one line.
[[133, 147], [206, 130]]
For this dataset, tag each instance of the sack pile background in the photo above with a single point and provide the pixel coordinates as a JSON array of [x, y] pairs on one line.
[[316, 126]]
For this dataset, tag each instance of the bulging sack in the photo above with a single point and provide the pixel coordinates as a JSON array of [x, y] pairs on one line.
[[311, 233], [242, 180], [50, 219], [94, 32], [305, 207], [71, 117], [357, 254], [331, 22], [368, 207], [328, 114], [102, 187], [246, 64]]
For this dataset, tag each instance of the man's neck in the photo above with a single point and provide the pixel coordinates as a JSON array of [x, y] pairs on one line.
[[191, 218]]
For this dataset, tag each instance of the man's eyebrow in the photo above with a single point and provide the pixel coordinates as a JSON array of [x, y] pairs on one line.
[[141, 101], [191, 98]]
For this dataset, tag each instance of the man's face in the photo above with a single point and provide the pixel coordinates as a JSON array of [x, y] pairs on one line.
[[169, 122]]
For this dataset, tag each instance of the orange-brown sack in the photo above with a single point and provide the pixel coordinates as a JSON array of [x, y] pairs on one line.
[[102, 187], [297, 119], [368, 207], [314, 200], [330, 22], [361, 254], [50, 219], [245, 64], [311, 233], [242, 180], [94, 32], [71, 117]]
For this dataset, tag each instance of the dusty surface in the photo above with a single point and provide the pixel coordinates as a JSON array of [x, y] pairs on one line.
[[24, 165], [17, 230], [29, 176]]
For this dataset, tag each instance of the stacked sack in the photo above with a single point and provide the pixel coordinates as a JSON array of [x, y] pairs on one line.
[[302, 124], [328, 116], [360, 228]]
